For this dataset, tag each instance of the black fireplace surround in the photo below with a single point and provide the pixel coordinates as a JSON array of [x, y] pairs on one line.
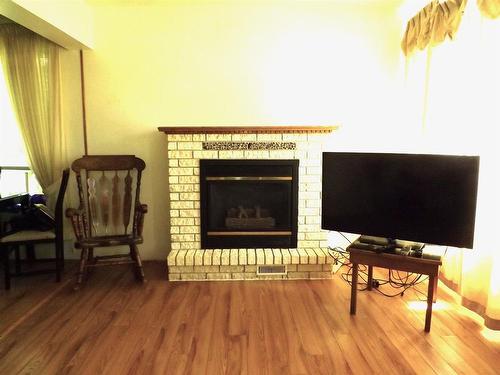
[[248, 203]]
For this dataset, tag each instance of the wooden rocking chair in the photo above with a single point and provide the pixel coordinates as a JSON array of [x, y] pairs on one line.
[[110, 213]]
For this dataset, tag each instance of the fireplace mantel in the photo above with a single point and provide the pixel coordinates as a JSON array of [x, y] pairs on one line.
[[245, 129]]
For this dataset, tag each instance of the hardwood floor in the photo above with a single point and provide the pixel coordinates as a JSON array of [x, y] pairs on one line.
[[115, 326]]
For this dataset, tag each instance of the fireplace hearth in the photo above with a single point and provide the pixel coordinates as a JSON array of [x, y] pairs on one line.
[[248, 203]]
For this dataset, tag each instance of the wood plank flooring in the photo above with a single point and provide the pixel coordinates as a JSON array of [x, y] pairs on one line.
[[115, 326]]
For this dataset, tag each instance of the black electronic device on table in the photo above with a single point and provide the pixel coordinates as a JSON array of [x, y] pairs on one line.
[[413, 197]]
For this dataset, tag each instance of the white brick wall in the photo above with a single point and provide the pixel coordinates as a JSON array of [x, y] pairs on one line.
[[184, 153]]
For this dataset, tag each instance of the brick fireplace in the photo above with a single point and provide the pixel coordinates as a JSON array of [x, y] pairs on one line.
[[247, 148]]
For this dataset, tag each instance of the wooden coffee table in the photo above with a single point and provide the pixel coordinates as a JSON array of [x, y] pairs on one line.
[[372, 259]]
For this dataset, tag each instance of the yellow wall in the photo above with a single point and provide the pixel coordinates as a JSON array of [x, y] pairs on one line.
[[232, 63]]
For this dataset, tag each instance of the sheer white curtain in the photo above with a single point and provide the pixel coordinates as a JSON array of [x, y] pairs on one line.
[[12, 151], [31, 70], [456, 99]]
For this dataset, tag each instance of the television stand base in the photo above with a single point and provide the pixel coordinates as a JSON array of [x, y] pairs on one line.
[[430, 267]]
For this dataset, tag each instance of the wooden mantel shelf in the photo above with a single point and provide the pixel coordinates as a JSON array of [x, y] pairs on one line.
[[245, 129]]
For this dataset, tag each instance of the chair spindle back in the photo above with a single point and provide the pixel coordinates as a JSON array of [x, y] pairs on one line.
[[109, 189]]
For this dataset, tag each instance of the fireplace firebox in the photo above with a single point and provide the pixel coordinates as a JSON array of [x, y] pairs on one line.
[[248, 203]]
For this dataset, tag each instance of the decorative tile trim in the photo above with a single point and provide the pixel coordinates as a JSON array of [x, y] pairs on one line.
[[249, 146]]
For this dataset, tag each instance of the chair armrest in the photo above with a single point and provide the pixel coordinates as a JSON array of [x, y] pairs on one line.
[[140, 211], [78, 221]]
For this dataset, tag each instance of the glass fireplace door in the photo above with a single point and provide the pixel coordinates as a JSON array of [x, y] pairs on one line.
[[248, 203]]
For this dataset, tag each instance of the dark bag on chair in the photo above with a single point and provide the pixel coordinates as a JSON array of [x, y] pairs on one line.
[[37, 217]]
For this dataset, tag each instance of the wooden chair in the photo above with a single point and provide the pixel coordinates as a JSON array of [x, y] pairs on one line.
[[30, 238], [110, 213]]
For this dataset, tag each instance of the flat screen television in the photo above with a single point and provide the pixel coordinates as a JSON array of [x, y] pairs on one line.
[[413, 197]]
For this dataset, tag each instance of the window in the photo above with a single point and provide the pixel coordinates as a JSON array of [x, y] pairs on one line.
[[15, 175]]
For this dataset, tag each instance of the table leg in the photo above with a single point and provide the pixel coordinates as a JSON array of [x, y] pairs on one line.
[[435, 288], [17, 253], [430, 298], [354, 287], [30, 253], [5, 260], [370, 277]]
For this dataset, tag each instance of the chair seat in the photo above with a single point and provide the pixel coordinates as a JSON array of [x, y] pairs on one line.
[[28, 235], [103, 241]]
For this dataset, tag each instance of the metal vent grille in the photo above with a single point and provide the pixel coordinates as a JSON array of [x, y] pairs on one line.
[[271, 270]]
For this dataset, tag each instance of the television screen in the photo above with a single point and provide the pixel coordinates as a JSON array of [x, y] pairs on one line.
[[413, 197]]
